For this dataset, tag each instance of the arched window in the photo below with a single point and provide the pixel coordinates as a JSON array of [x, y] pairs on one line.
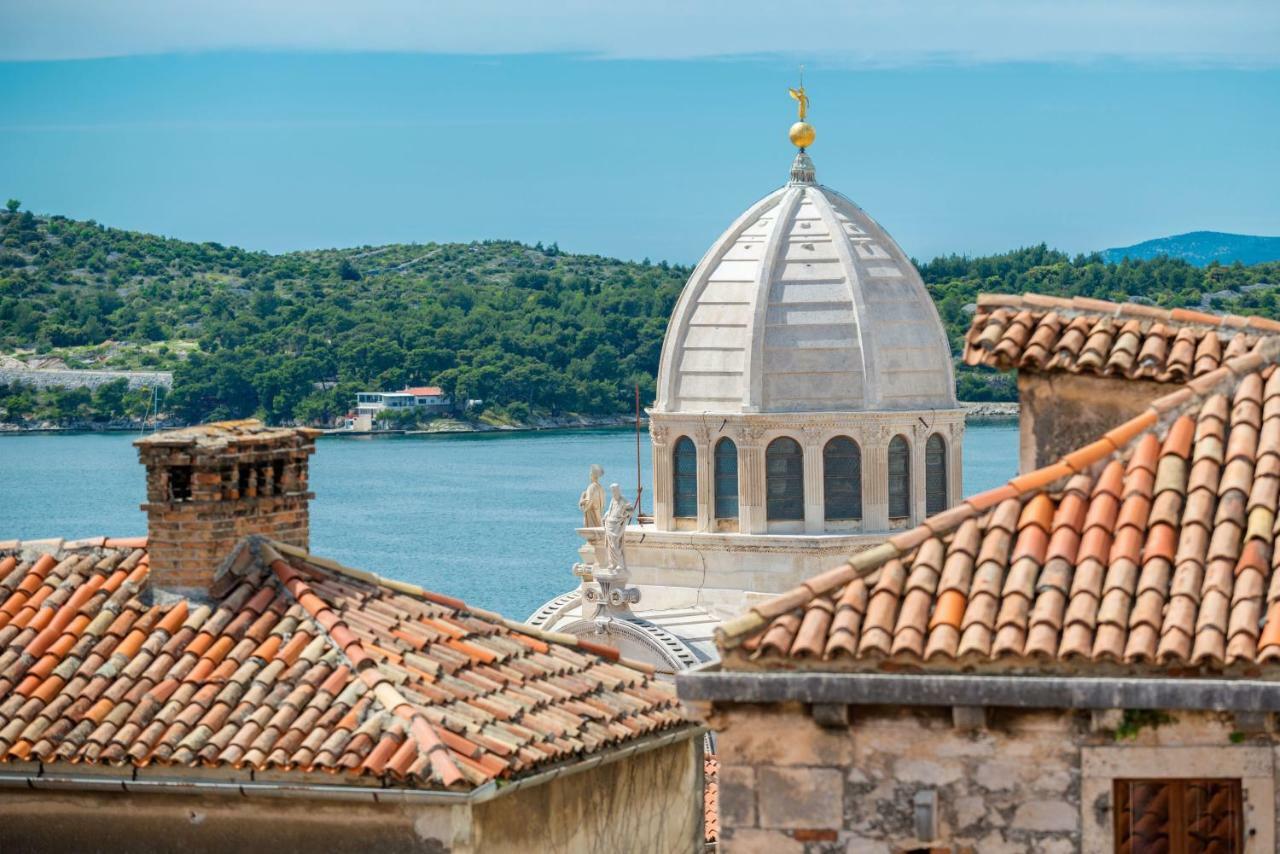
[[899, 478], [842, 479], [935, 475], [684, 467], [784, 480], [726, 479]]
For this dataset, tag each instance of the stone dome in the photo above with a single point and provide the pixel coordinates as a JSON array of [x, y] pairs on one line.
[[804, 305]]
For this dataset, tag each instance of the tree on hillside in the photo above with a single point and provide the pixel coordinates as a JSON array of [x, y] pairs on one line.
[[12, 205], [347, 271]]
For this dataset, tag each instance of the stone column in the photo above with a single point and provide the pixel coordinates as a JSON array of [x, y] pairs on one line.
[[751, 503], [955, 461], [814, 509], [875, 478], [919, 435], [658, 436], [706, 510]]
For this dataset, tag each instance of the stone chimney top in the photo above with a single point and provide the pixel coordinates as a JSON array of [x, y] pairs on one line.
[[210, 486]]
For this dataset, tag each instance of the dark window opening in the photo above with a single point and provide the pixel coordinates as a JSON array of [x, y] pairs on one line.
[[842, 479], [899, 478], [784, 480], [277, 477], [726, 479], [684, 466], [935, 475], [244, 478], [180, 483], [1178, 816]]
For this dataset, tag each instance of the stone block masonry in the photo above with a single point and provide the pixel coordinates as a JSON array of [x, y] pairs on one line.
[[1030, 781], [209, 487]]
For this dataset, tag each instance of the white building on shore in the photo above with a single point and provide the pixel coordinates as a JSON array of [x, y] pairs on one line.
[[426, 400]]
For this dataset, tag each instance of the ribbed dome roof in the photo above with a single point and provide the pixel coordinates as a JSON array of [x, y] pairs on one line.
[[804, 305]]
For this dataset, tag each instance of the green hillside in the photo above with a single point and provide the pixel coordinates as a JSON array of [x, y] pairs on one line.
[[528, 330]]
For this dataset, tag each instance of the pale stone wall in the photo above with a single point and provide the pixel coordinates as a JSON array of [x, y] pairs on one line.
[[650, 802], [1061, 412], [647, 802], [1029, 782]]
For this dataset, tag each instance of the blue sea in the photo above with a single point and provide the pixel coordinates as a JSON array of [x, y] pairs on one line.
[[488, 518]]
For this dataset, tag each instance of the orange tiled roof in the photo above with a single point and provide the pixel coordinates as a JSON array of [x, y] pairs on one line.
[[1088, 336], [711, 797], [1150, 549], [297, 664]]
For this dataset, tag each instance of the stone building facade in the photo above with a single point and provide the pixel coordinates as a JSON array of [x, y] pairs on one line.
[[1084, 659], [895, 780]]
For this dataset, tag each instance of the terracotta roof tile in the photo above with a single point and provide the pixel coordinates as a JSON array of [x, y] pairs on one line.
[[303, 665], [1158, 553], [1033, 332]]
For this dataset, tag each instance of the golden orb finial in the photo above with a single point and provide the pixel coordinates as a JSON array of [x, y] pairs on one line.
[[802, 133]]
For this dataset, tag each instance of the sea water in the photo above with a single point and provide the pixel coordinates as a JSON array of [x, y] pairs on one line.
[[488, 518]]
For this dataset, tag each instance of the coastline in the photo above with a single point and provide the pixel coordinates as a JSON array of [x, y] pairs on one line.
[[975, 413]]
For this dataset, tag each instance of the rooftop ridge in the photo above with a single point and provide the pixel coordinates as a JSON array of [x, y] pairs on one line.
[[1087, 306], [1160, 412], [60, 543], [604, 650]]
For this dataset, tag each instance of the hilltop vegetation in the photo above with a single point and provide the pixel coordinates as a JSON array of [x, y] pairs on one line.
[[528, 330], [293, 336]]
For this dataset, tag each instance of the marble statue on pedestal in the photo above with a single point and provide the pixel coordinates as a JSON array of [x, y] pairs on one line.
[[591, 502], [615, 527]]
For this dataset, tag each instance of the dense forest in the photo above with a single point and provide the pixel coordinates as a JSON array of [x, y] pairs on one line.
[[529, 330]]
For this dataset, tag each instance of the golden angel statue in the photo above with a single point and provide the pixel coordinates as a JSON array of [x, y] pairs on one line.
[[803, 99]]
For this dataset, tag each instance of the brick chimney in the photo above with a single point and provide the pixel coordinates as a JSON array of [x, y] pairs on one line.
[[210, 486]]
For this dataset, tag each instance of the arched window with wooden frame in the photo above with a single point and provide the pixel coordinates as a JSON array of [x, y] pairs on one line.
[[726, 479], [899, 478], [842, 479], [935, 475], [684, 470], [784, 480]]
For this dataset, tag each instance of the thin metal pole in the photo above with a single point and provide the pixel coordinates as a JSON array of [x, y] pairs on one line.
[[639, 485]]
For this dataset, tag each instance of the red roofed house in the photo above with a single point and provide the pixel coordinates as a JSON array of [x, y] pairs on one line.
[[426, 400], [1085, 659], [216, 687]]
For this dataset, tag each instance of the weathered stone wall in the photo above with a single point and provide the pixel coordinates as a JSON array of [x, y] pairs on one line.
[[650, 802], [53, 820], [1021, 784], [1061, 412], [90, 379]]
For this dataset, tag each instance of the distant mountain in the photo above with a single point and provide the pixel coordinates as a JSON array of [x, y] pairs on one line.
[[1203, 247]]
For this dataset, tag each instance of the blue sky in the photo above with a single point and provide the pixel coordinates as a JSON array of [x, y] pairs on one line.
[[967, 128]]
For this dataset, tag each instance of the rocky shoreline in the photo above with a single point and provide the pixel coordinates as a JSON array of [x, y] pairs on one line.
[[988, 412]]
